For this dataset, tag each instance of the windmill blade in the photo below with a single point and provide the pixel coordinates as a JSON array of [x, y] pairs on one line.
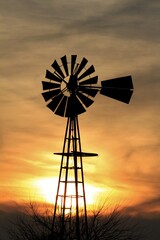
[[85, 100], [81, 65], [89, 71], [50, 94], [73, 62], [122, 82], [50, 85], [92, 80], [74, 107], [57, 69], [65, 64], [89, 91], [61, 107], [75, 69], [123, 95], [55, 102], [52, 76]]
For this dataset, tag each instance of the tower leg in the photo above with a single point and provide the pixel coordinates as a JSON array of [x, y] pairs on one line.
[[71, 217]]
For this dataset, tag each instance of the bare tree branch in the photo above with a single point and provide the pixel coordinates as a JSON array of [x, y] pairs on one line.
[[36, 224]]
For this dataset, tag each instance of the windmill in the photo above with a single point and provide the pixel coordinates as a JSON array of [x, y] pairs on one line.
[[69, 90]]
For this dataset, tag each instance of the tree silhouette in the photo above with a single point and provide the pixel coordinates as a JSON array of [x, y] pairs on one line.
[[36, 224]]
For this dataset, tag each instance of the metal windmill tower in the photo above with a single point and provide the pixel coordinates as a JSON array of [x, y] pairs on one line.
[[70, 89]]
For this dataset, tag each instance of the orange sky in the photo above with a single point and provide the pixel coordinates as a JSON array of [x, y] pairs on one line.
[[118, 41]]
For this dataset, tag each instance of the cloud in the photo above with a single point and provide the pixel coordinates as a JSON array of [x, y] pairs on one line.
[[127, 19], [34, 21], [147, 208]]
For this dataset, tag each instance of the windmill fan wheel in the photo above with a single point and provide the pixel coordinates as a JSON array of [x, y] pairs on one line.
[[69, 88]]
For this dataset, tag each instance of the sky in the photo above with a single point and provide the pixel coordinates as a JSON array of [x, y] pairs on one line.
[[120, 38]]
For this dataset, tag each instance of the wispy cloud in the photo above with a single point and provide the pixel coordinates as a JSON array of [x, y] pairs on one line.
[[149, 207]]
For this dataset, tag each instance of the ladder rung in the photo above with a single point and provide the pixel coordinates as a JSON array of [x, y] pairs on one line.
[[72, 138], [70, 196], [72, 167], [70, 182]]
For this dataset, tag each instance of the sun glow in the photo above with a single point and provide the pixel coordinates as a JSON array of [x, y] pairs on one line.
[[47, 188]]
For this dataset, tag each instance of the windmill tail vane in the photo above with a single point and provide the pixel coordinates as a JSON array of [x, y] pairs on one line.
[[69, 90]]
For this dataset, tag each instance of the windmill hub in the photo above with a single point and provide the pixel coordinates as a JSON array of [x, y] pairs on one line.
[[72, 84]]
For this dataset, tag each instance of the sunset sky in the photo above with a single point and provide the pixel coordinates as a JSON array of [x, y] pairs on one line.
[[120, 38]]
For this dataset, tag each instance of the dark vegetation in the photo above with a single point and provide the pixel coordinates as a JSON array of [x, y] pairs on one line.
[[35, 223]]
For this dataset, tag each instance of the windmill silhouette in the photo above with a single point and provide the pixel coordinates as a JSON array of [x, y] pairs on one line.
[[70, 90]]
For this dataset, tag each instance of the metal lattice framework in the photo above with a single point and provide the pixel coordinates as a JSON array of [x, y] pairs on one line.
[[69, 90]]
